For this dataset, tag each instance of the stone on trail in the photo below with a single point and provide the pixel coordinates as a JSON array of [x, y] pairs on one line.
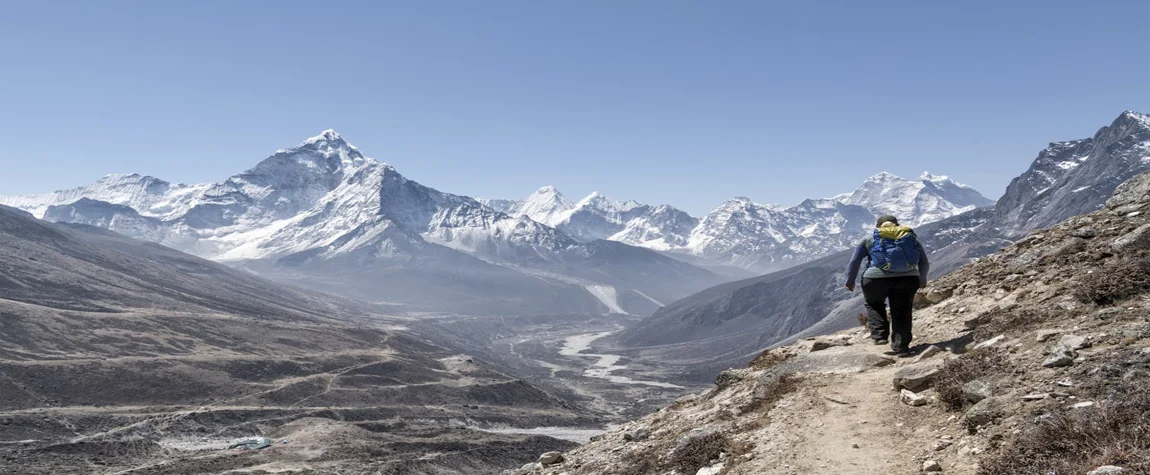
[[916, 376], [1132, 239], [1046, 334], [980, 320], [550, 458], [1036, 396], [976, 390], [1106, 470], [931, 466], [911, 398], [825, 342], [1073, 342], [991, 342], [927, 353], [1061, 358], [837, 360], [985, 411]]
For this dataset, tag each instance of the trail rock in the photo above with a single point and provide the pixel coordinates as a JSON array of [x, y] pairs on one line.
[[916, 376], [1106, 470], [1073, 342], [931, 466], [991, 342], [910, 398], [927, 353], [838, 360], [1139, 237], [977, 321], [985, 411], [550, 458], [1036, 396], [1060, 358], [1046, 334], [976, 390], [635, 435], [823, 343], [1085, 233]]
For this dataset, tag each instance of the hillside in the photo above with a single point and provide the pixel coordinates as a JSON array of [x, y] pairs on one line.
[[121, 355], [1031, 361]]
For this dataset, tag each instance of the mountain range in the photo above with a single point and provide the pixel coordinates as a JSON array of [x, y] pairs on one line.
[[742, 234], [324, 216], [724, 324]]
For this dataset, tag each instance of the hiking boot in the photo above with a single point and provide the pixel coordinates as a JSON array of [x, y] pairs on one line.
[[881, 341]]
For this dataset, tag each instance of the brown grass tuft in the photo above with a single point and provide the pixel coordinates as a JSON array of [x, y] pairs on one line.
[[767, 359], [1115, 281], [1073, 442], [695, 454], [964, 369]]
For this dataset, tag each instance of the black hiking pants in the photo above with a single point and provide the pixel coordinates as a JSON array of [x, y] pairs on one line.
[[900, 292]]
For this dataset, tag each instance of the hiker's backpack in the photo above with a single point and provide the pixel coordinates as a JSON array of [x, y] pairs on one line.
[[895, 249]]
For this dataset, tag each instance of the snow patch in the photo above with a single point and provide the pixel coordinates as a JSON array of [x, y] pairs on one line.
[[607, 295]]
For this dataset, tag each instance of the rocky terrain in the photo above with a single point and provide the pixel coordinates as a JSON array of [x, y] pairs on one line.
[[1033, 360], [118, 356]]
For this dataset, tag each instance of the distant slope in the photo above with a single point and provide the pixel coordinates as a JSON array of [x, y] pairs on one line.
[[111, 348]]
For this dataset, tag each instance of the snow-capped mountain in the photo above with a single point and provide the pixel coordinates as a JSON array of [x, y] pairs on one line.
[[1076, 176], [914, 202], [743, 234], [323, 201]]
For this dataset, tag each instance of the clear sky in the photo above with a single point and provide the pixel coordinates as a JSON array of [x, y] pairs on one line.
[[680, 102]]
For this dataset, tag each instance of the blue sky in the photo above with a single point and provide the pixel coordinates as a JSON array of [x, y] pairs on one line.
[[687, 103]]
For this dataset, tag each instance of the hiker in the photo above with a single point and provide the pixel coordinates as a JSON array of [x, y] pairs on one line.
[[897, 268]]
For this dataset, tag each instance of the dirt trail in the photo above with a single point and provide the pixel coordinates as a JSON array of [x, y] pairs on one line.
[[856, 437]]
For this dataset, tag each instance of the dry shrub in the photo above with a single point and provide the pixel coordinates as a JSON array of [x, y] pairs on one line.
[[635, 463], [964, 369], [1011, 319], [769, 389], [767, 359], [1073, 442], [697, 452], [1116, 281], [862, 319]]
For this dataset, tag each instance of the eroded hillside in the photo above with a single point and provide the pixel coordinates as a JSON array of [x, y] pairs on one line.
[[1033, 360]]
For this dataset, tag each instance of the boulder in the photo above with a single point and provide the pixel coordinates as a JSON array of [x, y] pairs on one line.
[[634, 435], [976, 391], [931, 466], [985, 411], [916, 376], [550, 458], [1060, 358], [1138, 238], [1133, 191], [1073, 342]]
